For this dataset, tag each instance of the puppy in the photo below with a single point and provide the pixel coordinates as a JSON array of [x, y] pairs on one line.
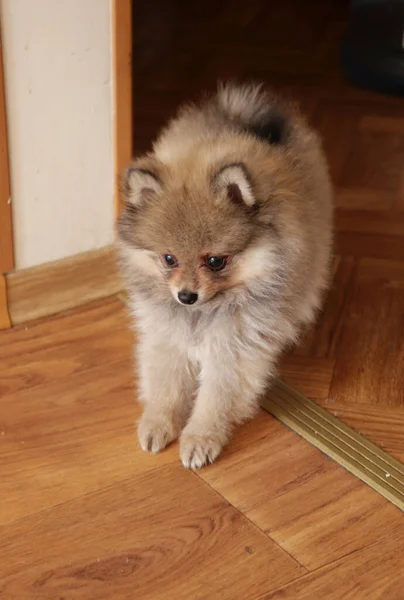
[[225, 242]]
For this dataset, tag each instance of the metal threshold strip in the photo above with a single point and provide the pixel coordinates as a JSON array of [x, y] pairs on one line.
[[347, 447]]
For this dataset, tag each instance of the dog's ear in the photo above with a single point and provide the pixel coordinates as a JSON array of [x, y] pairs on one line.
[[235, 180], [140, 183]]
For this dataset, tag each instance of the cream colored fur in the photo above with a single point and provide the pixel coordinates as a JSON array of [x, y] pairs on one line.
[[202, 368]]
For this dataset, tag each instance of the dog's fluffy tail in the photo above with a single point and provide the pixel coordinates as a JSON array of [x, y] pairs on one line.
[[254, 109], [244, 103]]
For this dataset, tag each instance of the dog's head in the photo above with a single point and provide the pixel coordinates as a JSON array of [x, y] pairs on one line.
[[195, 228]]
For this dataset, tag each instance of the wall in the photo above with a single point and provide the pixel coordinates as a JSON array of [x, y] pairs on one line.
[[57, 61]]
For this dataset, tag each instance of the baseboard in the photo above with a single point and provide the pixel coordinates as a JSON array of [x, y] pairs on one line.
[[61, 285]]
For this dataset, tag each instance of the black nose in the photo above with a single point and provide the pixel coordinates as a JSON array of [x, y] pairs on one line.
[[186, 297]]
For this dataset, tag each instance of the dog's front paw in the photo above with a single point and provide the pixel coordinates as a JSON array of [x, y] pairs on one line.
[[197, 451], [155, 433]]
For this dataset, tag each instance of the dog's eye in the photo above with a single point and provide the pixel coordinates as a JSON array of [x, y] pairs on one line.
[[216, 263], [170, 260]]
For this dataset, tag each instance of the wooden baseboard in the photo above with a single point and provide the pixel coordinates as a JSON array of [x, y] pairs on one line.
[[61, 285]]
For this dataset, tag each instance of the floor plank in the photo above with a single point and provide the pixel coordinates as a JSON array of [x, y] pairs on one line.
[[323, 340], [55, 436], [369, 368], [309, 505], [85, 514], [311, 375], [376, 572], [164, 534]]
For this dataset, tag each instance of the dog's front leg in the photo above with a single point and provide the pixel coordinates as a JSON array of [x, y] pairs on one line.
[[167, 387], [229, 394]]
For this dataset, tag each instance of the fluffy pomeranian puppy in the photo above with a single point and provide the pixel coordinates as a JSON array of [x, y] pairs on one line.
[[225, 241]]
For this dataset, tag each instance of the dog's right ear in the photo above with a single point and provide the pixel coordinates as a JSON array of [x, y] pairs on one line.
[[139, 184], [235, 179]]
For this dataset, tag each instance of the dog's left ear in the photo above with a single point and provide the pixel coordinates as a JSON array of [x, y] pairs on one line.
[[235, 180]]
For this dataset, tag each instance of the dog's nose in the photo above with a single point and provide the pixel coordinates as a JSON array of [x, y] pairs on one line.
[[186, 297]]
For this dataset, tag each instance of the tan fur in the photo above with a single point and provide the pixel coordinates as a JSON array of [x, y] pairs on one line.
[[213, 187]]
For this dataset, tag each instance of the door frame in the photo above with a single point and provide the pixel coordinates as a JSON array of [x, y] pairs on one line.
[[121, 56], [6, 225], [123, 101]]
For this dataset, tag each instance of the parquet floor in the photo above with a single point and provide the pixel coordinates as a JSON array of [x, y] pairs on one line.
[[353, 363], [85, 514]]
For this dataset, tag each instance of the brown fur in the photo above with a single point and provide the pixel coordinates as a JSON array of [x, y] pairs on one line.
[[215, 186]]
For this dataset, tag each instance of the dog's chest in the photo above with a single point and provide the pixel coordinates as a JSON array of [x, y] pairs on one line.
[[200, 336]]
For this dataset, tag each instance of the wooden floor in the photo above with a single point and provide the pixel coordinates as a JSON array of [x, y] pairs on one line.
[[84, 513], [353, 363]]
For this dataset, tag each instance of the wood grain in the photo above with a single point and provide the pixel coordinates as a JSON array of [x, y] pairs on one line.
[[55, 443], [4, 316], [369, 367], [310, 506], [102, 518], [367, 245], [160, 535], [84, 513], [375, 572], [311, 375], [322, 341], [39, 343], [122, 86], [6, 228], [363, 199], [369, 222], [50, 440], [63, 284]]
